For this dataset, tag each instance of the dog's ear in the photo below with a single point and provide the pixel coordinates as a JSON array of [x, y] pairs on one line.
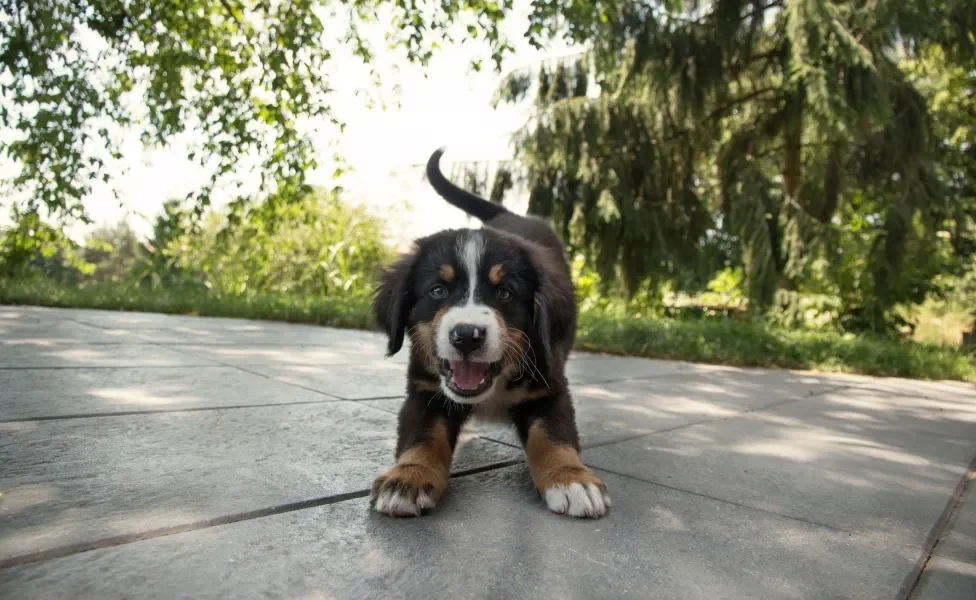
[[394, 300], [555, 311]]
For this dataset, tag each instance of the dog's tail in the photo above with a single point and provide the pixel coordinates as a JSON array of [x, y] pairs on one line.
[[475, 206]]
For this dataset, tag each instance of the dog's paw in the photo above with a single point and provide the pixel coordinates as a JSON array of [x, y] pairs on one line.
[[406, 491], [588, 498]]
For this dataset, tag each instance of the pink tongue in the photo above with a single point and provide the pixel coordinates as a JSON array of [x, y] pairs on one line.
[[467, 375]]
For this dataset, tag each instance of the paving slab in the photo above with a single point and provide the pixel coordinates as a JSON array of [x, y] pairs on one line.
[[490, 538], [950, 573], [959, 543], [147, 320], [181, 329], [947, 579], [373, 378], [911, 388], [359, 369], [73, 482], [46, 326], [166, 456], [584, 367], [53, 393], [504, 434], [611, 412], [859, 468], [217, 332], [284, 358], [82, 355], [24, 329], [251, 337]]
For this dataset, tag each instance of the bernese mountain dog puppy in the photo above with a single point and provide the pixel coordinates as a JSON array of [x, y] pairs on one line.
[[491, 316]]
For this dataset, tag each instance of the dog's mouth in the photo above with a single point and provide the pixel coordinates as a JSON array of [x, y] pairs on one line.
[[468, 377]]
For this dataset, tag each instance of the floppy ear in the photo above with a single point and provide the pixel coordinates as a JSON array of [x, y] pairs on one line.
[[393, 301], [554, 319]]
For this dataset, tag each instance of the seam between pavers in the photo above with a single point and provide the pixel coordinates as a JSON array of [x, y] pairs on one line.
[[120, 540], [631, 438], [160, 411], [67, 342], [628, 379], [939, 531], [722, 500], [736, 415], [78, 367], [477, 435], [144, 341], [165, 344], [130, 413], [521, 448], [312, 389], [900, 394], [268, 377]]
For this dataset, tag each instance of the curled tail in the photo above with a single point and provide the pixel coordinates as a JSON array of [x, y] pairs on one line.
[[475, 206]]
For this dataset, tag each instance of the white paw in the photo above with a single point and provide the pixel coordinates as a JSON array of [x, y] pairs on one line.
[[578, 500], [399, 504]]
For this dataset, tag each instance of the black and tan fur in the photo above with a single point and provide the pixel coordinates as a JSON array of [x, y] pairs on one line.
[[511, 280]]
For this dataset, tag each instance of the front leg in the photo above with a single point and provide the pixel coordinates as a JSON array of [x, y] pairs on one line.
[[548, 431], [427, 434]]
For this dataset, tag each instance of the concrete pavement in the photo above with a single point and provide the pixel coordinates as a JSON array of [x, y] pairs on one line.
[[152, 456]]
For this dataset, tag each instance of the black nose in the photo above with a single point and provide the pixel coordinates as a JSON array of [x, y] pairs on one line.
[[467, 338]]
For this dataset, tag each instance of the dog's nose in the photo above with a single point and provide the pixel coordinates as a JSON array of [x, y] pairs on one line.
[[467, 338]]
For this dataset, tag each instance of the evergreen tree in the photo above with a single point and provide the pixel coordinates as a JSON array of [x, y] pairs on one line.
[[766, 120]]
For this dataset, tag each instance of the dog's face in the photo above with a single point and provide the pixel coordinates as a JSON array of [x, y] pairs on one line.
[[475, 306]]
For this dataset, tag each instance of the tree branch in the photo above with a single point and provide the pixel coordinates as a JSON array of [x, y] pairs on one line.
[[233, 15]]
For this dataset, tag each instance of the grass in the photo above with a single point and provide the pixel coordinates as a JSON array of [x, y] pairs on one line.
[[728, 342], [718, 341], [295, 308]]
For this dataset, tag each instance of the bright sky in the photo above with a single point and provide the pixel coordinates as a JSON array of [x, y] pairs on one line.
[[445, 104]]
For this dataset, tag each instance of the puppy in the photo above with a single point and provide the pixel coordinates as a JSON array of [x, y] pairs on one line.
[[491, 316]]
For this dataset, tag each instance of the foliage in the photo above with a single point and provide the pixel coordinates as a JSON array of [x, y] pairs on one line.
[[942, 322], [130, 296], [787, 129], [114, 252], [725, 288], [32, 246], [253, 77], [725, 341], [715, 341], [317, 246], [595, 295]]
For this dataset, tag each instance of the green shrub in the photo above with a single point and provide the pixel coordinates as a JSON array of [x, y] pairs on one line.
[[319, 246]]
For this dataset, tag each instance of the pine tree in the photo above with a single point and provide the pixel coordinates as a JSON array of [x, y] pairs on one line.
[[766, 120]]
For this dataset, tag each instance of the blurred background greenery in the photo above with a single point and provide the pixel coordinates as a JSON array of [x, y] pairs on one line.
[[760, 182]]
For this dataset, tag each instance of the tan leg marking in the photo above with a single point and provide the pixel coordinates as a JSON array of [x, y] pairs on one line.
[[419, 478], [568, 486]]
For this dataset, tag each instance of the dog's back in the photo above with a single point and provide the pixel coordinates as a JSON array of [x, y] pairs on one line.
[[493, 215]]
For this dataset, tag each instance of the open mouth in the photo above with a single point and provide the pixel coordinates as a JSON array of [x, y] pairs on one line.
[[467, 377]]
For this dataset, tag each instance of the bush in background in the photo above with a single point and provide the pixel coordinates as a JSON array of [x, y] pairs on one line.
[[320, 247]]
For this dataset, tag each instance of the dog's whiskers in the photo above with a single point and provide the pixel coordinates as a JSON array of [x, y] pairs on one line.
[[515, 355], [534, 359]]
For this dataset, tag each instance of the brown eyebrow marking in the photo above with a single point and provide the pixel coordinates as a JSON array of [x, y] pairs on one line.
[[447, 272], [496, 274]]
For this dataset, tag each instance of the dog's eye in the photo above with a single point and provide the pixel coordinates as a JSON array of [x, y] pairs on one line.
[[504, 294], [438, 292]]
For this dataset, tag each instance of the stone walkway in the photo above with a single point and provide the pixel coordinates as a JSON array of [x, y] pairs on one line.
[[150, 456]]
